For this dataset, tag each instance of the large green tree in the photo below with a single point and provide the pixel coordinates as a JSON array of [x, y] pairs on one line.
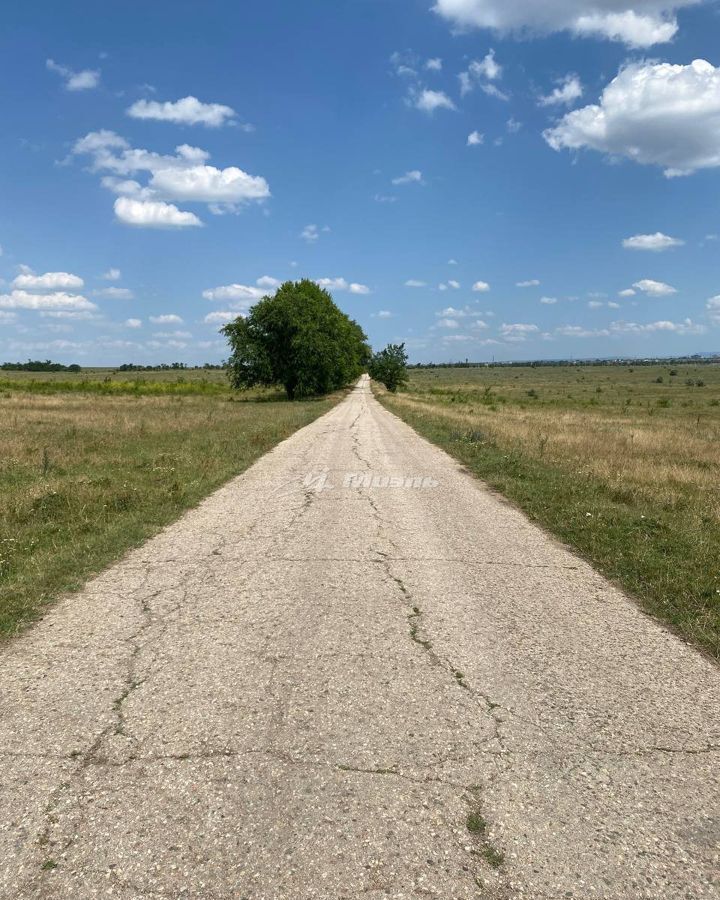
[[298, 338]]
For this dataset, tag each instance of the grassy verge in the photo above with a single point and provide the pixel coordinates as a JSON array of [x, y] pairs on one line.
[[635, 491], [84, 476]]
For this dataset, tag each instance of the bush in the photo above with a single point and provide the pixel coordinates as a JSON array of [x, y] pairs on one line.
[[389, 366], [299, 339]]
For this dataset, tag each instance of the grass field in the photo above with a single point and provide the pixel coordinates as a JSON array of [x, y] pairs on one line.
[[86, 474], [622, 463]]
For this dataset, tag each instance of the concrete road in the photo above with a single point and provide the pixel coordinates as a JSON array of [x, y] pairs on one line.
[[313, 683]]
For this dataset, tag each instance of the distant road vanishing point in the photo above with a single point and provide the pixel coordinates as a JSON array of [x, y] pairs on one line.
[[355, 672]]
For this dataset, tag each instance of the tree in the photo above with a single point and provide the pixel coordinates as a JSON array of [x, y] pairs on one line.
[[389, 366], [297, 338]]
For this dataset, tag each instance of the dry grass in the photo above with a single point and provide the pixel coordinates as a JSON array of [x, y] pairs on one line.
[[84, 477], [622, 466]]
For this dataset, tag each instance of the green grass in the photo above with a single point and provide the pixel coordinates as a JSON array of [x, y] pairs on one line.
[[620, 466], [84, 476]]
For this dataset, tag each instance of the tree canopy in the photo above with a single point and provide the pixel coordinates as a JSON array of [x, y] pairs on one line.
[[298, 338], [389, 366]]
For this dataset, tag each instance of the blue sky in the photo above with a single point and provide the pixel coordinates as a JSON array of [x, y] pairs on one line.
[[485, 178]]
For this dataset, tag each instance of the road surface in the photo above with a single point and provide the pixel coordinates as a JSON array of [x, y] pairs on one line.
[[312, 684]]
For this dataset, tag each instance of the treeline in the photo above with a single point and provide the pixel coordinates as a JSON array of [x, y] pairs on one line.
[[37, 365], [557, 363], [167, 367]]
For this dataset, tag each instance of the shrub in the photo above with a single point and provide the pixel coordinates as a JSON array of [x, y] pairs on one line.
[[389, 366]]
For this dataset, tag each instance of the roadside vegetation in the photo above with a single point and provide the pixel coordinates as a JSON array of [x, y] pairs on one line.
[[87, 474], [622, 463]]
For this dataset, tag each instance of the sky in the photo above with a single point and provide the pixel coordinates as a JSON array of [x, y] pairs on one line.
[[479, 179]]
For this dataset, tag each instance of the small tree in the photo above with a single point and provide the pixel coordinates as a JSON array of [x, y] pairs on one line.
[[389, 366], [297, 338]]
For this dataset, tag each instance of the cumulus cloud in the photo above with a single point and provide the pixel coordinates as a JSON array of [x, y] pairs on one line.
[[167, 319], [518, 331], [50, 281], [480, 72], [311, 233], [713, 308], [475, 138], [448, 323], [429, 101], [412, 177], [133, 323], [687, 326], [186, 111], [653, 242], [434, 65], [206, 184], [638, 23], [115, 293], [221, 317], [340, 284], [58, 300], [654, 288], [628, 292], [153, 214], [85, 80], [533, 282], [111, 275], [568, 91], [548, 301], [384, 314], [653, 114], [183, 176], [481, 287]]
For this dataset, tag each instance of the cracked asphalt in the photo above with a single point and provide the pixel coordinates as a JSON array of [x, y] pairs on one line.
[[309, 685]]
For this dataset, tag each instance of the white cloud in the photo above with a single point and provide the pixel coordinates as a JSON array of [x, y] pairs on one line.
[[384, 198], [153, 214], [340, 284], [653, 114], [452, 262], [448, 323], [84, 80], [568, 91], [115, 293], [311, 233], [428, 101], [628, 292], [475, 138], [183, 176], [187, 111], [481, 287], [548, 301], [713, 308], [112, 275], [413, 283], [639, 23], [168, 319], [221, 317], [434, 65], [356, 288], [58, 300], [133, 323], [7, 316], [266, 281], [654, 288], [384, 314], [687, 326], [206, 184], [595, 304], [533, 282], [517, 331], [455, 285], [412, 177], [579, 331], [653, 242], [480, 72], [50, 281]]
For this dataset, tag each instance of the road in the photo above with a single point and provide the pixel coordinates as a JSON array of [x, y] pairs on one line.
[[310, 685]]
